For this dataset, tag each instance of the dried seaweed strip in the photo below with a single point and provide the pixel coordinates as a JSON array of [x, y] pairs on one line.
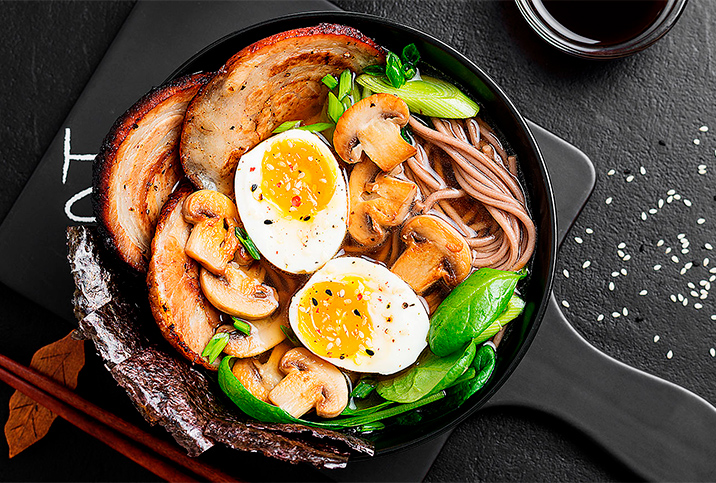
[[356, 444], [245, 437]]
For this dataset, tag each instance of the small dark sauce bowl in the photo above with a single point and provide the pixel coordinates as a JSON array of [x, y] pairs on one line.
[[567, 40]]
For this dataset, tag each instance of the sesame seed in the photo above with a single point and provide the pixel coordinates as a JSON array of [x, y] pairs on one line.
[[589, 231], [565, 303], [669, 355], [611, 286], [642, 170], [712, 270], [689, 265], [694, 294], [630, 178], [712, 351], [616, 314], [656, 338], [713, 317], [702, 166], [660, 204], [682, 271], [670, 199], [708, 246], [712, 278], [565, 272], [643, 292], [620, 253], [621, 245], [600, 317], [677, 196], [615, 274], [675, 259], [611, 172], [623, 271], [704, 295], [586, 264], [659, 243], [680, 297], [704, 128], [643, 215], [698, 306], [691, 285], [657, 267], [672, 297], [625, 311], [706, 262], [627, 257], [653, 211], [578, 240], [667, 251], [685, 302], [608, 200], [687, 202], [671, 192], [685, 251], [697, 142], [701, 221]]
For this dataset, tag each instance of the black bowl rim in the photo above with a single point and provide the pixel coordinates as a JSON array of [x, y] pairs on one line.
[[337, 16]]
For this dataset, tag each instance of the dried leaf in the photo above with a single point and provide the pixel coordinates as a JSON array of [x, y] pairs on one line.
[[28, 421]]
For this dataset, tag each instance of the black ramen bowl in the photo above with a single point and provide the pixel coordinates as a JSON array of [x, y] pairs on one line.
[[500, 112]]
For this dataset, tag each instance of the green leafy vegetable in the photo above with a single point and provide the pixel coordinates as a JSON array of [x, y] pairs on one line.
[[364, 387], [215, 345], [514, 308], [247, 242], [317, 127], [411, 54], [344, 84], [241, 325], [374, 70], [288, 332], [409, 71], [430, 374], [335, 107], [394, 70], [470, 308], [330, 81], [363, 410], [484, 365], [428, 96], [286, 126]]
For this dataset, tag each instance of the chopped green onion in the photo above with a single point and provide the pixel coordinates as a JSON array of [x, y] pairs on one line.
[[317, 127], [411, 54], [330, 81], [288, 332], [366, 93], [247, 242], [344, 84], [286, 126], [514, 308], [394, 70], [428, 96], [241, 325], [215, 346], [364, 388], [378, 70], [335, 107], [407, 134], [409, 71]]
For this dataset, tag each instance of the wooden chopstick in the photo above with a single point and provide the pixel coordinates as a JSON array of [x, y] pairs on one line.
[[104, 425]]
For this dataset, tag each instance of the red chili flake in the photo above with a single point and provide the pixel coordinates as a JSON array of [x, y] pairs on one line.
[[296, 201], [278, 185], [317, 310], [360, 296], [252, 170]]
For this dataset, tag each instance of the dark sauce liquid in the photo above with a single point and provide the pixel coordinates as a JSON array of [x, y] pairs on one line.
[[600, 22]]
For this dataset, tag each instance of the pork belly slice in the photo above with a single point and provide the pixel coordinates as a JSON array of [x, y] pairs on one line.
[[138, 167], [272, 81], [187, 320]]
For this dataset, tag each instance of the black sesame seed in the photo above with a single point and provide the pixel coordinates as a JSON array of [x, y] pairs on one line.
[[369, 352], [330, 294], [314, 301], [253, 187], [355, 311], [307, 218], [405, 305], [342, 356], [268, 222]]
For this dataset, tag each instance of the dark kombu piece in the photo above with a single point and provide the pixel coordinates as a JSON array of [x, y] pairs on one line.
[[166, 389]]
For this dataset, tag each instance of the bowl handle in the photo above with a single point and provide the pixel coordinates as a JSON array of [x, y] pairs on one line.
[[660, 430]]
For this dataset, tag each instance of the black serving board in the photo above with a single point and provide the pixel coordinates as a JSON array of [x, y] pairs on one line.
[[147, 49]]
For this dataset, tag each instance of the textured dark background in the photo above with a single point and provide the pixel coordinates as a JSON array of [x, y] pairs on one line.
[[643, 111]]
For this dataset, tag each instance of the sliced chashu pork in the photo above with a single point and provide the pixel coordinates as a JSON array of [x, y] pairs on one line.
[[187, 320], [272, 81], [138, 166]]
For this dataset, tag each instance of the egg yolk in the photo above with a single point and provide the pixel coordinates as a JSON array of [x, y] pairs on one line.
[[297, 178], [334, 320]]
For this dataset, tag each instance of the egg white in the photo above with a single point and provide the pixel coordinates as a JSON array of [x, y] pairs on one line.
[[292, 245], [400, 320]]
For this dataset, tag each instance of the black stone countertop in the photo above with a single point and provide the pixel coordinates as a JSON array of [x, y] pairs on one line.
[[648, 123]]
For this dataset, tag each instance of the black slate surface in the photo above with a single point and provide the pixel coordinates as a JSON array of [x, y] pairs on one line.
[[642, 111]]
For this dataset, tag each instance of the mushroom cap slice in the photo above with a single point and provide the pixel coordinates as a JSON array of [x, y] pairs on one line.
[[260, 378], [272, 81], [372, 127], [435, 250], [187, 320], [310, 382], [239, 292], [212, 242], [377, 202], [138, 167]]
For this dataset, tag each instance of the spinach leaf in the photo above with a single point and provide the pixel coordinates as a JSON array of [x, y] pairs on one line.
[[430, 374], [514, 308], [484, 365], [470, 308]]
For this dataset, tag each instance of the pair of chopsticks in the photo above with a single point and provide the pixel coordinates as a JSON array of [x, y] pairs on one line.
[[157, 456]]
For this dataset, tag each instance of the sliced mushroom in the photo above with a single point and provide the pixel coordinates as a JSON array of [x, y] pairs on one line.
[[187, 320], [260, 378], [435, 250], [372, 126], [310, 382], [212, 241], [240, 292], [377, 202]]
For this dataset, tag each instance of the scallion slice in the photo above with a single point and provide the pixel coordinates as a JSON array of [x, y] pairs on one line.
[[335, 107], [411, 54], [330, 81], [344, 84], [394, 70], [364, 388], [374, 70], [428, 96], [241, 325], [286, 126], [317, 127], [215, 346], [247, 242]]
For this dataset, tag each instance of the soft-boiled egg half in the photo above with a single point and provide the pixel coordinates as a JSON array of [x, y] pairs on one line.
[[360, 316], [292, 199]]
